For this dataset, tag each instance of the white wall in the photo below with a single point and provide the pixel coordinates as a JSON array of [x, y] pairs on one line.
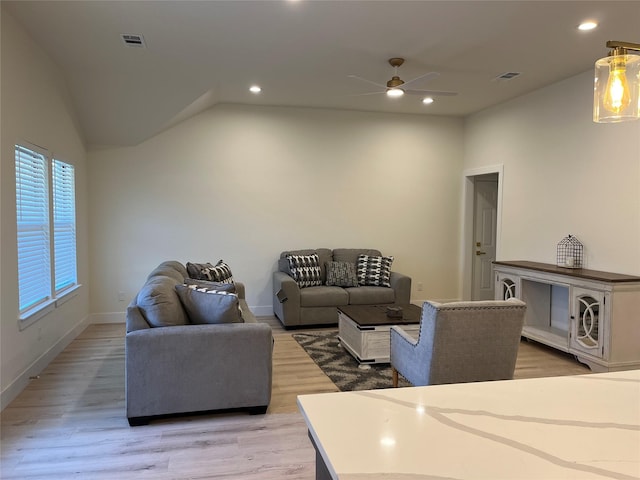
[[244, 183], [563, 174], [35, 109]]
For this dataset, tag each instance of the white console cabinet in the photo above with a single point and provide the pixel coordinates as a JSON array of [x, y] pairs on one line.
[[590, 314]]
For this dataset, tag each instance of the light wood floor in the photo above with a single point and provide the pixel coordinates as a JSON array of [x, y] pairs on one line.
[[70, 422]]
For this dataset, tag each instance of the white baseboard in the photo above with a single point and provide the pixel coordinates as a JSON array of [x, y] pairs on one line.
[[19, 384], [111, 317]]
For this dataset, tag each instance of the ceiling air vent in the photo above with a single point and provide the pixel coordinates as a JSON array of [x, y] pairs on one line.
[[133, 40], [507, 76]]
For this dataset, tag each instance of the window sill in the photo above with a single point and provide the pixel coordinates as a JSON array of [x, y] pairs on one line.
[[30, 317]]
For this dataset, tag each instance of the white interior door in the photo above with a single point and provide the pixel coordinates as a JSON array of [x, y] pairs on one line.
[[484, 228]]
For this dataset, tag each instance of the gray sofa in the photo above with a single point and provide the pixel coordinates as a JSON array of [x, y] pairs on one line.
[[174, 366], [317, 305]]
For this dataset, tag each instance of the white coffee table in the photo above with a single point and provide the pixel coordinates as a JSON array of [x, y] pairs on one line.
[[573, 427], [363, 330]]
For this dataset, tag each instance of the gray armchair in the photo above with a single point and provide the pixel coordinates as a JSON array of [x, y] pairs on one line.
[[460, 342]]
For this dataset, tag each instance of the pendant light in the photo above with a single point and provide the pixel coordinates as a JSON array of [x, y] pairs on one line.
[[616, 91]]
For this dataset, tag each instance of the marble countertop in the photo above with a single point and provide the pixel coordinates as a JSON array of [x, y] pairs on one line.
[[574, 427]]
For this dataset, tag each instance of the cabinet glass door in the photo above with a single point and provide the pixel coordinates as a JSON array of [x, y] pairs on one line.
[[507, 287], [587, 319]]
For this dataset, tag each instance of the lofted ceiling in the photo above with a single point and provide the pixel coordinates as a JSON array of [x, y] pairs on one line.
[[202, 53]]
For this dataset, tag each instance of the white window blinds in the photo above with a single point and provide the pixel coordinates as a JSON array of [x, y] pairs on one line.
[[46, 225], [34, 244], [64, 225]]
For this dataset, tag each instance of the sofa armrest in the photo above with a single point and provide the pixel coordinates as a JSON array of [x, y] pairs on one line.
[[402, 354], [286, 299], [198, 367], [401, 285]]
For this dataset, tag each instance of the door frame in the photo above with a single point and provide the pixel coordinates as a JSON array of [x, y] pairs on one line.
[[467, 240]]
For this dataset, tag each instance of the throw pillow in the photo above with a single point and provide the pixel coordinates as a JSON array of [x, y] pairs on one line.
[[342, 274], [305, 270], [195, 270], [206, 271], [223, 287], [374, 271], [209, 306]]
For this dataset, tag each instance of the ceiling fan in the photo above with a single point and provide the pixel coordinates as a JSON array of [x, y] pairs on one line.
[[396, 87]]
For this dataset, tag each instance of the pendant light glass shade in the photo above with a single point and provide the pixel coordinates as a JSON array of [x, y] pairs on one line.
[[616, 90]]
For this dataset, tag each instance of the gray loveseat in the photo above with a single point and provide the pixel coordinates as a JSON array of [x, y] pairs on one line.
[[174, 366], [317, 305]]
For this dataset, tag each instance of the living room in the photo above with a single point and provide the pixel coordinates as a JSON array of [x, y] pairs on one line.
[[244, 182]]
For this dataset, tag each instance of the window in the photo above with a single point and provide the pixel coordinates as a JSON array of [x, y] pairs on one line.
[[64, 226], [45, 205]]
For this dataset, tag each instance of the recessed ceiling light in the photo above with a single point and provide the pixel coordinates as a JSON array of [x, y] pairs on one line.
[[255, 89], [427, 100], [585, 26]]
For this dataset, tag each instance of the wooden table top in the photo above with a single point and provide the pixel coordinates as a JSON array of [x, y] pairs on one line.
[[372, 315], [571, 272]]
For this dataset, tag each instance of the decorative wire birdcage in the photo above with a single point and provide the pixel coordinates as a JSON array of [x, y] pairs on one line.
[[570, 253]]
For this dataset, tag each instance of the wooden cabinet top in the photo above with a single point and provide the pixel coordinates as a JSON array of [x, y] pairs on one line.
[[571, 272]]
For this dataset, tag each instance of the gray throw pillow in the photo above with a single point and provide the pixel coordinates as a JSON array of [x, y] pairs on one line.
[[209, 306], [342, 274]]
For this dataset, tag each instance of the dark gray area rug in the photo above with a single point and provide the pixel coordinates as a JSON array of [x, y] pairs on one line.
[[325, 350]]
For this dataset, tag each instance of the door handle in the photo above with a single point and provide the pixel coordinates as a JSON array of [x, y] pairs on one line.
[[478, 252]]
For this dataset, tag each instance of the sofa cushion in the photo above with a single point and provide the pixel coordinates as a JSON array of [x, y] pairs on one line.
[[370, 295], [351, 254], [374, 270], [204, 305], [206, 271], [223, 287], [166, 271], [323, 296], [159, 303], [305, 270], [341, 274], [177, 266]]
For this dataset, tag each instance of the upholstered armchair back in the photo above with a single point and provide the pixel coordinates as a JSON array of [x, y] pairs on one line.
[[461, 342]]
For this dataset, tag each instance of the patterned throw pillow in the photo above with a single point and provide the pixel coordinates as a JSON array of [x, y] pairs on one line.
[[223, 287], [374, 271], [205, 271], [305, 270], [342, 274]]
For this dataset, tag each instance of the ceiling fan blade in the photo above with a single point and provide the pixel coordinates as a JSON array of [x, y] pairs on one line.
[[363, 94], [423, 77], [368, 81], [435, 93]]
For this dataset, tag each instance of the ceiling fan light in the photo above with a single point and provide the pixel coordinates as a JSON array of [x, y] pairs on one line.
[[395, 92], [616, 91]]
